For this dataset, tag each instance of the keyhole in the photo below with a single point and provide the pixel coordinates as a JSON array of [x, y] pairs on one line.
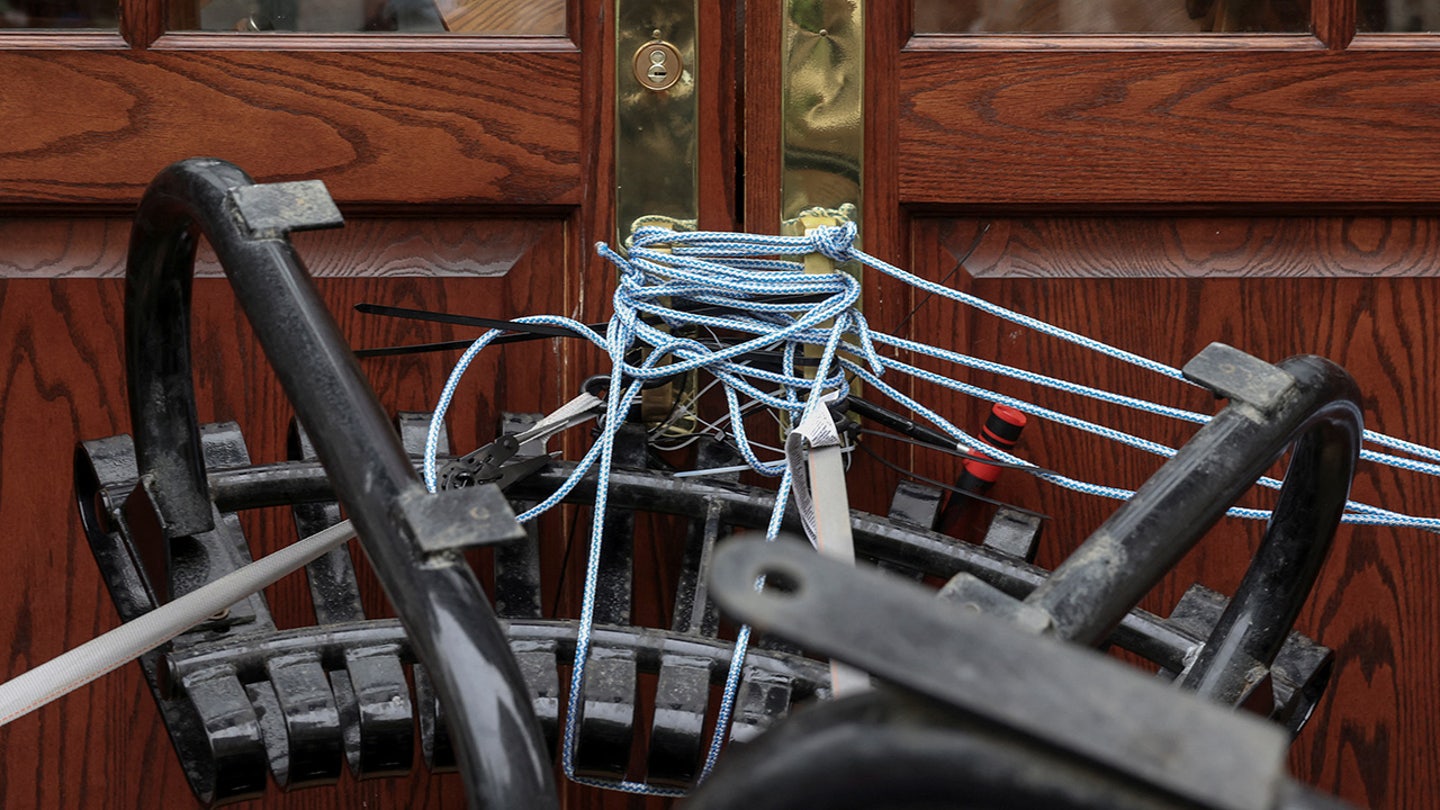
[[658, 71], [657, 65]]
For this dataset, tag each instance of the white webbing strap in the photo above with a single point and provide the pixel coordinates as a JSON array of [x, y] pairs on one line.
[[813, 452]]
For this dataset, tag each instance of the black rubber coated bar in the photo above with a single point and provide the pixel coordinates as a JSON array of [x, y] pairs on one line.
[[440, 603], [1305, 401]]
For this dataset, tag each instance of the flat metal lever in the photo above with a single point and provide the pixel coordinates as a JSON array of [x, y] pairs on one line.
[[480, 466], [1059, 694]]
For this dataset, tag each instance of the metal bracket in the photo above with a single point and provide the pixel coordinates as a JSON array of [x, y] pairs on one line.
[[273, 209], [1239, 377], [655, 122], [1065, 696], [454, 519]]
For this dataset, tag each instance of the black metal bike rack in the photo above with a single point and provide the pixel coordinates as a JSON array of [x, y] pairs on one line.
[[688, 658], [242, 699]]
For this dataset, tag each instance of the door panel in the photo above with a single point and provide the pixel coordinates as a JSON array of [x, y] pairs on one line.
[[1160, 246], [1159, 193], [1371, 604], [94, 247], [382, 129], [1167, 127], [470, 173]]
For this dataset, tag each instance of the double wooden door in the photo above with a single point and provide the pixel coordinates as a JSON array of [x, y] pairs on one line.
[[1271, 190]]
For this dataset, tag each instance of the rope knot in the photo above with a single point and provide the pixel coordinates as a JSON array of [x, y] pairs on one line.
[[834, 241]]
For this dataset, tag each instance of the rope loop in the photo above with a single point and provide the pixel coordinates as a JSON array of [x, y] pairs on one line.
[[835, 242]]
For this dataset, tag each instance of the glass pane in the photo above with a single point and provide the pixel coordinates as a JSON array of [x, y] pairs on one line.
[[1111, 16], [58, 14], [1399, 16], [489, 17]]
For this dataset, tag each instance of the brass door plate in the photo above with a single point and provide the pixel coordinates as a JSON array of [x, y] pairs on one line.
[[822, 106], [655, 112], [656, 109]]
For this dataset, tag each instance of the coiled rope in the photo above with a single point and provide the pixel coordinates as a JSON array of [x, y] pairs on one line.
[[752, 287]]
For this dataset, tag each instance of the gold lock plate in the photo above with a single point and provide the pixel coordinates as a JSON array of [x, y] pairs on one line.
[[655, 137], [823, 105], [657, 65], [656, 182]]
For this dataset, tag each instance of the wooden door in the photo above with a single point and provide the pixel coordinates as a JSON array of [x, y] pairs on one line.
[[473, 168], [1269, 190], [1267, 181]]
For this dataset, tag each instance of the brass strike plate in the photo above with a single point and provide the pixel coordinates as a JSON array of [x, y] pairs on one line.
[[656, 109], [823, 105]]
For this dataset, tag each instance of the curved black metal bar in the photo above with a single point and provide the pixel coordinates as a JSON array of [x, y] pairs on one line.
[[888, 749], [648, 644], [1259, 616], [1305, 401], [437, 597], [1140, 631]]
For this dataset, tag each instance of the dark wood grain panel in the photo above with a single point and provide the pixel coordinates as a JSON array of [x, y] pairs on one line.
[[1162, 246], [1334, 22], [386, 127], [47, 247], [1372, 604], [721, 115], [1145, 128], [762, 139]]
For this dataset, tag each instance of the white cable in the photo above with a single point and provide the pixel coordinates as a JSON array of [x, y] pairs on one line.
[[709, 471], [72, 670]]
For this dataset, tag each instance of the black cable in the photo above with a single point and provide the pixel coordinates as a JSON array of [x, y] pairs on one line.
[[564, 564], [1028, 468], [959, 263]]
